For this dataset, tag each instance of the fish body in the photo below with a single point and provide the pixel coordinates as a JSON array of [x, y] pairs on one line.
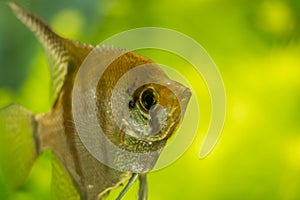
[[154, 110]]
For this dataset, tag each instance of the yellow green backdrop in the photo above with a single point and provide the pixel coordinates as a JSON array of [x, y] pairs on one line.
[[256, 47]]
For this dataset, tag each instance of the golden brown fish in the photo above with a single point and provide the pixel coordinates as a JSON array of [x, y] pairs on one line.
[[153, 109]]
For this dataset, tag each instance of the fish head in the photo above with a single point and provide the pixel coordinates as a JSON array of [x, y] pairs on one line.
[[156, 110], [139, 106]]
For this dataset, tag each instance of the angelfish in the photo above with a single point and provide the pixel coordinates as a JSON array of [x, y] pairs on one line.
[[154, 112]]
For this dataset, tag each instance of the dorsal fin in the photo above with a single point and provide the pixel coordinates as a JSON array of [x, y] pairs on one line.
[[110, 48], [60, 51]]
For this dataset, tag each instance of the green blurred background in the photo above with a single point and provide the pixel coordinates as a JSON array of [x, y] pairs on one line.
[[256, 46]]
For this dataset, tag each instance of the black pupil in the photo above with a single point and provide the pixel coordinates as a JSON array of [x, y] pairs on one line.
[[148, 99]]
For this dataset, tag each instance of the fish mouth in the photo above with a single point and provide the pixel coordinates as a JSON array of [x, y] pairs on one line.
[[184, 99], [182, 93]]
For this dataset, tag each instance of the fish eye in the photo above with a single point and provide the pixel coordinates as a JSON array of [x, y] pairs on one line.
[[148, 98]]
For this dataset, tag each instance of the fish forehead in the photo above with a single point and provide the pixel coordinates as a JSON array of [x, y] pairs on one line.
[[132, 66]]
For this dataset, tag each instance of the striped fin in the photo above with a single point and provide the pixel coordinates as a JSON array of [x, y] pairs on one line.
[[53, 44], [18, 147]]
